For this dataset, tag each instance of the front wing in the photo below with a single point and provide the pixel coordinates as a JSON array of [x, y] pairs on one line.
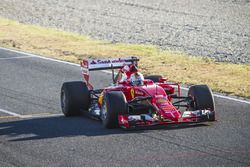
[[189, 117]]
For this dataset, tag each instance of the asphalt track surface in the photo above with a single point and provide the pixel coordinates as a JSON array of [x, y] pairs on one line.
[[40, 136]]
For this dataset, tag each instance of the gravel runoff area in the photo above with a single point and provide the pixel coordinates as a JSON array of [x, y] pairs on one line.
[[218, 29]]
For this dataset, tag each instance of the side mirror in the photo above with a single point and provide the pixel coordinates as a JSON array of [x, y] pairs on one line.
[[148, 82], [162, 80]]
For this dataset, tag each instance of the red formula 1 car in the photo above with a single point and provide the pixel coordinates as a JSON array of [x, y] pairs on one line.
[[154, 102]]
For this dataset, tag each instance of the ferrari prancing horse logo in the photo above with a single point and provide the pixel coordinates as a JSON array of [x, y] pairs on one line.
[[132, 91]]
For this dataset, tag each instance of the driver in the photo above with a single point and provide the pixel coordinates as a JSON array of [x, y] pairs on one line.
[[136, 78], [131, 74]]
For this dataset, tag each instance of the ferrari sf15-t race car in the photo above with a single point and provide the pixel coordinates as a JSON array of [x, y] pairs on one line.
[[126, 105]]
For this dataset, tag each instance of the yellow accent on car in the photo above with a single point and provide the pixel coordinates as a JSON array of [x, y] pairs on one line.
[[100, 99], [132, 91]]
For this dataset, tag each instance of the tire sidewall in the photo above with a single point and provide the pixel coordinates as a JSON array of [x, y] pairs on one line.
[[115, 103], [202, 99], [77, 98]]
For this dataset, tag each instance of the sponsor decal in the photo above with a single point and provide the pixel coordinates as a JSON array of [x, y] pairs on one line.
[[119, 60], [107, 63], [103, 61], [93, 62], [139, 93]]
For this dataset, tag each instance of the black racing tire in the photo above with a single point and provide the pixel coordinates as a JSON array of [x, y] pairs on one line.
[[114, 103], [154, 78], [75, 98], [202, 98]]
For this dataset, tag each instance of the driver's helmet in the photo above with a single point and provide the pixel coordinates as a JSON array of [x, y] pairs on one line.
[[137, 79]]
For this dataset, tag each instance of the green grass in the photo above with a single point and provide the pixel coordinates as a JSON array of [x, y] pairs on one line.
[[229, 78]]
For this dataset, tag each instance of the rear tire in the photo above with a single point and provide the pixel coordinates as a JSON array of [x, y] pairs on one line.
[[114, 103], [75, 98], [154, 78], [202, 99]]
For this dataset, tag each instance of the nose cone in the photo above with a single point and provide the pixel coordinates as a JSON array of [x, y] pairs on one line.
[[167, 110]]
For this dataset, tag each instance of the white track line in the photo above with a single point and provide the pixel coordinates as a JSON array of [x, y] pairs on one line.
[[10, 113], [64, 62], [20, 57], [30, 116], [231, 98], [40, 115], [34, 55]]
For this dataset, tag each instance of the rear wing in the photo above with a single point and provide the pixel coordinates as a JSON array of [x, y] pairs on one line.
[[104, 64]]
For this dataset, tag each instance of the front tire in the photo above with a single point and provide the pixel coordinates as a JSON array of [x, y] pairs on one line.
[[202, 99], [114, 103], [75, 98]]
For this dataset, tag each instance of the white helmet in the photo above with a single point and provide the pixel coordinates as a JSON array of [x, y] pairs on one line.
[[137, 79]]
